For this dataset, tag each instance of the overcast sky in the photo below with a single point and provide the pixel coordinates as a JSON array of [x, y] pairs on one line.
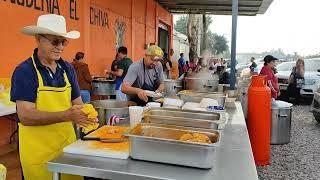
[[292, 25]]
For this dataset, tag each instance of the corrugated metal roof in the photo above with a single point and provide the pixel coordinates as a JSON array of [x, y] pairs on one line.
[[217, 7]]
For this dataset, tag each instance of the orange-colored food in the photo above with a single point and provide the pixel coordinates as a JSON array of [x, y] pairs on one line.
[[113, 131], [110, 132], [195, 137], [89, 110], [122, 147], [186, 137], [201, 138]]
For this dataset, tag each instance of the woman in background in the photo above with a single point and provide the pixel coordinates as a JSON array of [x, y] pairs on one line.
[[166, 65], [83, 76], [296, 80], [174, 71]]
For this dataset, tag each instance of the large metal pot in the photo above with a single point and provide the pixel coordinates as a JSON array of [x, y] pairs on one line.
[[108, 108], [172, 87], [202, 84], [103, 86]]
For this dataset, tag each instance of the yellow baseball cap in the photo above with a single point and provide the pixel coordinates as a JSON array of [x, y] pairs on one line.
[[155, 51]]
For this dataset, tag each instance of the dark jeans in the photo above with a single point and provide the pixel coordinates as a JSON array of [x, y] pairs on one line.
[[293, 92]]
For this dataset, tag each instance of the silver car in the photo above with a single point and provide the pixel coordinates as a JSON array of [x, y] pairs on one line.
[[283, 72], [311, 76], [315, 107]]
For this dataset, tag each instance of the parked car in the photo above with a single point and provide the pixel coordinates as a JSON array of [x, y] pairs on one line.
[[283, 72], [315, 107], [228, 62], [243, 69], [311, 76], [246, 70], [238, 66], [241, 66]]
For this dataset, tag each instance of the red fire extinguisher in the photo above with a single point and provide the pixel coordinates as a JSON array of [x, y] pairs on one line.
[[259, 119]]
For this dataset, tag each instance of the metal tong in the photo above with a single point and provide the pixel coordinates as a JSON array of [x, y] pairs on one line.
[[104, 140]]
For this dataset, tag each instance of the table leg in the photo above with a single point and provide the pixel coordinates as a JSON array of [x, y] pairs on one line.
[[56, 176]]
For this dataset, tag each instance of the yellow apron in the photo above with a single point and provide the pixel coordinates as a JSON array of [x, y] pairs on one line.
[[40, 144]]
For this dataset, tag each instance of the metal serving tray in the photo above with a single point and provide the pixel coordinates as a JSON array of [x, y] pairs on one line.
[[187, 118], [160, 143]]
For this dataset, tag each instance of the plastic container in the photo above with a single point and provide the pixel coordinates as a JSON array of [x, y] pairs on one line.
[[135, 113]]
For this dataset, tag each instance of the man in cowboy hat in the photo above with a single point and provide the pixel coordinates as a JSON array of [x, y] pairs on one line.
[[146, 74], [47, 96]]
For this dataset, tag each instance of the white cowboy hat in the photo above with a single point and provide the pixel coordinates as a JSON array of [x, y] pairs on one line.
[[51, 24]]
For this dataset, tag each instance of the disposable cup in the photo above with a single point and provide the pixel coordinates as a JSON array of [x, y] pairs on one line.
[[135, 114]]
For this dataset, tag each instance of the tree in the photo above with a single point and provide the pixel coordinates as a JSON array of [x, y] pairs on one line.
[[181, 24], [193, 30], [218, 44], [206, 21]]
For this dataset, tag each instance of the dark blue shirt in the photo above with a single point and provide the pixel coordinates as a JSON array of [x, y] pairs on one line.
[[24, 81], [181, 62]]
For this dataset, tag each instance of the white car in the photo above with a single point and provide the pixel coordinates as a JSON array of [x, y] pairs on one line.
[[283, 72], [315, 107], [246, 71], [311, 76]]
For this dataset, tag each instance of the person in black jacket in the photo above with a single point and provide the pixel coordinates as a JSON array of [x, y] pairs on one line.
[[296, 81], [253, 64], [224, 77]]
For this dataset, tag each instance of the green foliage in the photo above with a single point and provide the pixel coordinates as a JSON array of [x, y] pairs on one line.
[[218, 44], [209, 20], [181, 25]]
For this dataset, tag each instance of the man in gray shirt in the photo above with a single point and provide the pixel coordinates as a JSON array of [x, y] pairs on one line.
[[146, 74]]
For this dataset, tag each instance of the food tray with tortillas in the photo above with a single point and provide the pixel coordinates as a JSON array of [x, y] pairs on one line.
[[209, 101]]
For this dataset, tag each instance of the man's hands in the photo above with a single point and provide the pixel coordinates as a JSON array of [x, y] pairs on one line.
[[142, 95], [77, 116]]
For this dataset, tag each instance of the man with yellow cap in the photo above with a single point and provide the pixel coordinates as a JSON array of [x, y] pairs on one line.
[[47, 96], [146, 74]]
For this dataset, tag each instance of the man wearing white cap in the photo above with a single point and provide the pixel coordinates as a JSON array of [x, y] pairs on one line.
[[47, 96]]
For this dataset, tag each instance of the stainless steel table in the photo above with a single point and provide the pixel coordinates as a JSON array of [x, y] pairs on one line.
[[234, 161]]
